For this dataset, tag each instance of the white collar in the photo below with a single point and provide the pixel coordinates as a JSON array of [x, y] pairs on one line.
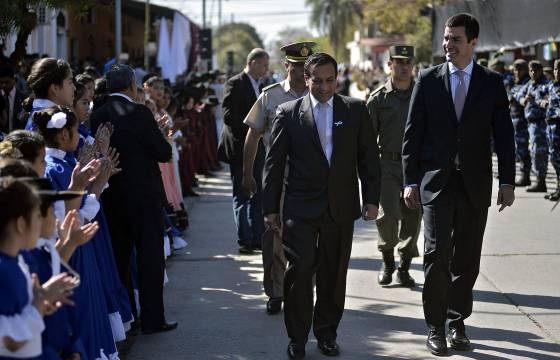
[[314, 101], [121, 95], [250, 77], [452, 68], [287, 87], [43, 103], [55, 153]]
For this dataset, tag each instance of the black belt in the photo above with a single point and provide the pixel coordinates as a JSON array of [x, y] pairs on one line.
[[387, 155]]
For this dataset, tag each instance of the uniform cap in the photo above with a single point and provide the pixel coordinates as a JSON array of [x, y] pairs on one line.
[[298, 52], [401, 52]]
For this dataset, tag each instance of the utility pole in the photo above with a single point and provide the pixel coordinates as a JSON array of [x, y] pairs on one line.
[[203, 14], [146, 35], [118, 30]]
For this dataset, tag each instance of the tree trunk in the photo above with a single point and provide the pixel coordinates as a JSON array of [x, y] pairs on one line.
[[27, 25]]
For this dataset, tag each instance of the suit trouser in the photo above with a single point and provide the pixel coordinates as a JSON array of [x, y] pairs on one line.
[[247, 211], [398, 226], [274, 264], [321, 247], [453, 232], [141, 226]]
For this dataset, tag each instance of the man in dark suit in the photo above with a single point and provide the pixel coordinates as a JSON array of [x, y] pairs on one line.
[[12, 99], [134, 201], [454, 110], [326, 140], [240, 93]]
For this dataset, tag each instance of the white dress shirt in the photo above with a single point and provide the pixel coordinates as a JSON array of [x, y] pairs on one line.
[[315, 105], [255, 84]]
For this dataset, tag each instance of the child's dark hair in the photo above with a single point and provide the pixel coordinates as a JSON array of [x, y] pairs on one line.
[[16, 168], [79, 92], [84, 78], [46, 72], [29, 143], [16, 200], [41, 119]]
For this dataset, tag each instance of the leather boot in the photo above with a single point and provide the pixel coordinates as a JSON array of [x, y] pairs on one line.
[[523, 179], [540, 186], [385, 275], [403, 277]]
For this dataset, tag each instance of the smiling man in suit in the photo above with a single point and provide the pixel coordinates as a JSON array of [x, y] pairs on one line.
[[240, 93], [327, 142], [454, 110]]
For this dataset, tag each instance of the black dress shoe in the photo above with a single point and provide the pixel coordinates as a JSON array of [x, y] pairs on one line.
[[273, 306], [134, 328], [296, 351], [328, 347], [458, 340], [246, 249], [166, 326], [436, 342]]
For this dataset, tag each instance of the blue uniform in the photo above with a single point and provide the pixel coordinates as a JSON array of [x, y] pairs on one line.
[[553, 125], [535, 115], [522, 154]]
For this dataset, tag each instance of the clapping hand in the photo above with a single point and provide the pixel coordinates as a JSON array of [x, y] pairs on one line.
[[71, 231], [86, 153], [54, 293], [114, 162], [83, 176], [103, 138]]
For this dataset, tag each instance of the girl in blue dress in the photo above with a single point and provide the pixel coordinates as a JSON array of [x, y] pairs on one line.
[[59, 127], [116, 295], [52, 83], [23, 302]]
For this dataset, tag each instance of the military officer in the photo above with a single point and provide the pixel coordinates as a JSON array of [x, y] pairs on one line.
[[553, 127], [531, 97], [520, 126], [259, 121], [398, 226]]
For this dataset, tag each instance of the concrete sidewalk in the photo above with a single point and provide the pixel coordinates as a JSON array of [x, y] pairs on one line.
[[217, 296]]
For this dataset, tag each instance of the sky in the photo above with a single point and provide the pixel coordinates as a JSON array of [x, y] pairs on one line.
[[267, 16]]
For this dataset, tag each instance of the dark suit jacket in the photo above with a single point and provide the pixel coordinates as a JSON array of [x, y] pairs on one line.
[[15, 112], [433, 136], [239, 97], [312, 186], [141, 146]]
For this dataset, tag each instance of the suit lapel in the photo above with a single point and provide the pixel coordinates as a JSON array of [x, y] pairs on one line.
[[338, 123], [308, 121], [249, 87], [474, 89], [444, 76]]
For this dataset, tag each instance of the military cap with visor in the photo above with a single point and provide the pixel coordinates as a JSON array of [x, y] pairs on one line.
[[298, 52]]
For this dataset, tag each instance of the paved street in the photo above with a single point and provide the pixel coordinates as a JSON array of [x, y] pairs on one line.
[[217, 297]]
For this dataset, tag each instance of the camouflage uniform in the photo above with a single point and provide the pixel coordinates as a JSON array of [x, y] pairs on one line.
[[523, 156], [535, 115], [553, 125]]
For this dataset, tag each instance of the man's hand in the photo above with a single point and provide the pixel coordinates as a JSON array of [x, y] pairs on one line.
[[370, 212], [411, 197], [272, 221], [506, 196], [249, 185]]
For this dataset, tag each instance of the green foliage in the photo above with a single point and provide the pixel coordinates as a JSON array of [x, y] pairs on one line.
[[402, 17], [337, 19], [240, 38]]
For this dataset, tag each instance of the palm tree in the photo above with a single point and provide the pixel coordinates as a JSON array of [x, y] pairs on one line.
[[335, 18]]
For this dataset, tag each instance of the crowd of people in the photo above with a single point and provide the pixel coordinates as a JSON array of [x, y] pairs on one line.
[[94, 170], [93, 174]]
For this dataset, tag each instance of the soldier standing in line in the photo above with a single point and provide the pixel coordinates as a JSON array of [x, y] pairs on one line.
[[553, 127], [531, 97], [259, 119], [398, 226], [523, 156]]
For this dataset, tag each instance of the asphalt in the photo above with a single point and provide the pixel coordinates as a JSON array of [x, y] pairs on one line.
[[216, 294]]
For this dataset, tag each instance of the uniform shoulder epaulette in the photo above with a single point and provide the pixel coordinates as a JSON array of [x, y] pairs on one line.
[[266, 88], [376, 91]]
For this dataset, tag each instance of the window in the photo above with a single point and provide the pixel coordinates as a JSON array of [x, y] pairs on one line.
[[41, 15]]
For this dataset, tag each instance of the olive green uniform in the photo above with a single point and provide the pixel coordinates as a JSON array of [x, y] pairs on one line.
[[398, 226]]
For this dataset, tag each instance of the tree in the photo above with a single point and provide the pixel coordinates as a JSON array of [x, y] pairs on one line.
[[337, 19], [403, 17], [240, 38], [19, 16]]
